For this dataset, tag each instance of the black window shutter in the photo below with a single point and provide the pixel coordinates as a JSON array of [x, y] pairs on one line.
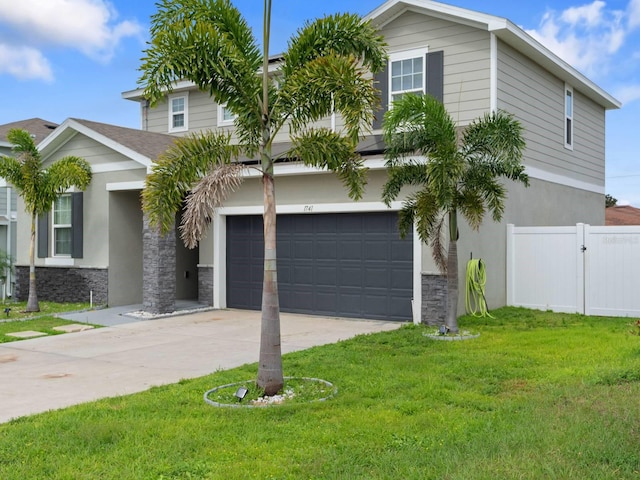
[[43, 235], [435, 74], [381, 80], [76, 225]]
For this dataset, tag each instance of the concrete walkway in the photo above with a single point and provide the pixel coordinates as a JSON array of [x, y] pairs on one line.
[[54, 372]]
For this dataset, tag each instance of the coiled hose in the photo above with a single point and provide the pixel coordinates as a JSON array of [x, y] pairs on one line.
[[475, 301]]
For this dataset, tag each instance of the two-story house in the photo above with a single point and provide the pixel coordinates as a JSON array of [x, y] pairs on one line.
[[339, 257]]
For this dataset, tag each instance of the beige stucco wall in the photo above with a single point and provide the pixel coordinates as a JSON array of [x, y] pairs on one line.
[[95, 210], [125, 248]]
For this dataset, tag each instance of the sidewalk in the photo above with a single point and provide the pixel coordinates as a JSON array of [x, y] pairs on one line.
[[54, 372]]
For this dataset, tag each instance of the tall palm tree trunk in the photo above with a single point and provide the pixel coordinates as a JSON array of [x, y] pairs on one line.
[[451, 320], [270, 377], [32, 301]]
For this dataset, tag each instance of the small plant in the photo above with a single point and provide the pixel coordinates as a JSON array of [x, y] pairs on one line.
[[635, 328], [6, 270]]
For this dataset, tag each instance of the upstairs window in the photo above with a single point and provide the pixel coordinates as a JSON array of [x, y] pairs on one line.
[[62, 226], [568, 114], [178, 111], [225, 117], [413, 71], [407, 76]]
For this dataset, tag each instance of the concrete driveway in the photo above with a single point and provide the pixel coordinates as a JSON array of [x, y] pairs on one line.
[[54, 372]]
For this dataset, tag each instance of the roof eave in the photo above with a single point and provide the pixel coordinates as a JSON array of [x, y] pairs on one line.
[[71, 127], [521, 41]]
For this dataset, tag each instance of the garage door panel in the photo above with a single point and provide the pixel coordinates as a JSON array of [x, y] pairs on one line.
[[402, 251], [351, 265], [326, 249], [350, 249], [326, 276]]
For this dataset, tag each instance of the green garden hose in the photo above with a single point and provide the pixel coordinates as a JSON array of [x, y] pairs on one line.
[[476, 302]]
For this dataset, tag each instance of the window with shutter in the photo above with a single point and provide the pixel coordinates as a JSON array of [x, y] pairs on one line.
[[414, 71]]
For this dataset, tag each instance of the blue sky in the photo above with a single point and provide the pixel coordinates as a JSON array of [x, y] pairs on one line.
[[73, 58]]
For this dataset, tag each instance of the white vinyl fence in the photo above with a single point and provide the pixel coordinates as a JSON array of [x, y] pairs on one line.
[[581, 269]]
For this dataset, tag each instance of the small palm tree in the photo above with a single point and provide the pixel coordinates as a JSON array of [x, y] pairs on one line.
[[324, 70], [39, 187], [456, 171]]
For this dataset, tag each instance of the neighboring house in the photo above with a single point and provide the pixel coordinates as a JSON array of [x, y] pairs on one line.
[[105, 258], [622, 215], [344, 258], [38, 129]]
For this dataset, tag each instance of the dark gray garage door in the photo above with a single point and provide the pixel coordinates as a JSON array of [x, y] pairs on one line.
[[346, 264]]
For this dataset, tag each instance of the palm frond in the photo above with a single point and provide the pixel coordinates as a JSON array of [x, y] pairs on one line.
[[10, 170], [418, 124], [69, 171], [209, 43], [176, 171], [496, 141], [327, 84], [429, 220], [400, 175], [22, 143], [437, 243], [323, 148], [339, 34], [205, 197]]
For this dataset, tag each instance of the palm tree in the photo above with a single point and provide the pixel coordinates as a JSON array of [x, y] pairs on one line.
[[456, 170], [324, 70], [39, 187]]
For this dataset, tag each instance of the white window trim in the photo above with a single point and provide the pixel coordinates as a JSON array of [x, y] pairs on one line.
[[406, 55], [171, 113], [221, 121], [569, 90], [55, 226]]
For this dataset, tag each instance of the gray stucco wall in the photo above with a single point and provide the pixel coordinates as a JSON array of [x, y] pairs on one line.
[[125, 248], [542, 204]]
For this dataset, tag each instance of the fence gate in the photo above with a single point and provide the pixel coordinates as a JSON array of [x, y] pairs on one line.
[[581, 269]]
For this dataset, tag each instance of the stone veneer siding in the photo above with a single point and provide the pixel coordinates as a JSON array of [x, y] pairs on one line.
[[158, 269], [434, 299], [205, 284], [64, 284]]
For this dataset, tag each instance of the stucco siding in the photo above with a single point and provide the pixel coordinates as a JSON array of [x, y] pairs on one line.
[[466, 59], [539, 205], [125, 248], [95, 221], [97, 154], [537, 99]]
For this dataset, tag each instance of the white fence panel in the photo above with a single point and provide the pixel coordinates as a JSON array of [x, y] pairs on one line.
[[612, 271], [544, 269]]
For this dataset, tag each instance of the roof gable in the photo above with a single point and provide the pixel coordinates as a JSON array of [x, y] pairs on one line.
[[138, 145], [504, 30], [37, 127]]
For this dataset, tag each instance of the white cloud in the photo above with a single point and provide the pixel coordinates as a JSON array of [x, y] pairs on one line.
[[590, 14], [24, 63], [89, 26], [628, 94], [578, 34], [634, 13]]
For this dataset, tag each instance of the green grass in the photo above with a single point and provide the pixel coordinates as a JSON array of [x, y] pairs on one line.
[[537, 396], [43, 321]]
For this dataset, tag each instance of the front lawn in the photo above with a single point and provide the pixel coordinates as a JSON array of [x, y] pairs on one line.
[[17, 320], [536, 396]]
